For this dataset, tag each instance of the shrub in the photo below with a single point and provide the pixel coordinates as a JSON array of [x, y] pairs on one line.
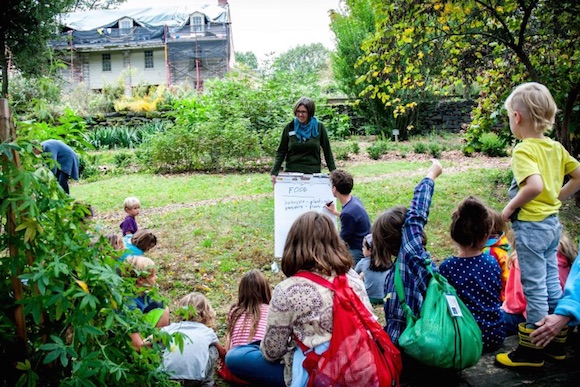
[[355, 147], [341, 152], [435, 150], [492, 145], [64, 315], [378, 149], [420, 147]]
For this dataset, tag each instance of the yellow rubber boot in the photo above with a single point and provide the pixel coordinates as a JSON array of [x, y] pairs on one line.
[[526, 354], [556, 349]]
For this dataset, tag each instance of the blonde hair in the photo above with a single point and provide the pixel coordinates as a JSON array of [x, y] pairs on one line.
[[567, 247], [141, 265], [196, 307], [535, 101], [131, 202]]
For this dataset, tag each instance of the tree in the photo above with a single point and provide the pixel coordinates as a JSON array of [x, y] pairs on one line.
[[25, 26], [248, 59], [351, 28], [495, 44], [86, 5], [303, 60]]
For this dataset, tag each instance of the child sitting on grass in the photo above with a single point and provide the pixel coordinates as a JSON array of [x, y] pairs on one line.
[[373, 272], [155, 312], [476, 276], [132, 206], [194, 365], [140, 243]]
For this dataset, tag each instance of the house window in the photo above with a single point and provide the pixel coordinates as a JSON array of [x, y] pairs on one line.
[[106, 62], [125, 25], [196, 23], [148, 59]]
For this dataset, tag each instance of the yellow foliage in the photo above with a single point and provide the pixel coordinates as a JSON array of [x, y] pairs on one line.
[[83, 285]]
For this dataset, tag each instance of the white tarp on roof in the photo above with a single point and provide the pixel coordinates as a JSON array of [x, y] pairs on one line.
[[150, 16]]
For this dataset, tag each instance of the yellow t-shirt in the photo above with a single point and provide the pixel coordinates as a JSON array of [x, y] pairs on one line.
[[550, 160]]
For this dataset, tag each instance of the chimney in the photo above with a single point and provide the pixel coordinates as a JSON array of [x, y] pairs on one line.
[[222, 3]]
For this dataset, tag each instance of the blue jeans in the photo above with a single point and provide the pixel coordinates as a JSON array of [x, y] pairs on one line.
[[537, 246], [248, 363], [511, 322]]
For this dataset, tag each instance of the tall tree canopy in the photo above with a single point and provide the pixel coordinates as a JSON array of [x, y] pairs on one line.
[[494, 44]]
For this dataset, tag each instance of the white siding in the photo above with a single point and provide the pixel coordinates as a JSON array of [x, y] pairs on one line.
[[100, 78], [143, 76], [138, 74]]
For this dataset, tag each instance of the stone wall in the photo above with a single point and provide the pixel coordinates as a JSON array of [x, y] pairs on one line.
[[444, 115]]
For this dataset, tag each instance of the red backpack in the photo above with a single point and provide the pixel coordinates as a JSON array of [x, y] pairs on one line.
[[360, 351]]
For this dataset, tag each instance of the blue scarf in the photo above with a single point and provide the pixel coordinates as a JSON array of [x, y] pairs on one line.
[[306, 132]]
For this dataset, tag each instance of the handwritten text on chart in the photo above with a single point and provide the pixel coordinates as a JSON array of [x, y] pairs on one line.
[[303, 204]]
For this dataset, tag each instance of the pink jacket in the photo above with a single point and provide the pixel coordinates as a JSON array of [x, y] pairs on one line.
[[515, 301]]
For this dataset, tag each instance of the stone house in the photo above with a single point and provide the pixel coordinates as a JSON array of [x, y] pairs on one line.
[[184, 45]]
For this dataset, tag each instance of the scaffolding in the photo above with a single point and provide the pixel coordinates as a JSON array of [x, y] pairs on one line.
[[196, 43]]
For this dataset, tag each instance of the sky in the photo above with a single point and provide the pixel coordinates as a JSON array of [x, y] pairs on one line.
[[267, 27]]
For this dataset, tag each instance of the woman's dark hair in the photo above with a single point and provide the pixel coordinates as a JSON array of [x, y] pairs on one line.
[[308, 104], [313, 244], [387, 233], [470, 223]]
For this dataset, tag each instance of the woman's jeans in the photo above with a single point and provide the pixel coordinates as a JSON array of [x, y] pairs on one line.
[[537, 246], [247, 362]]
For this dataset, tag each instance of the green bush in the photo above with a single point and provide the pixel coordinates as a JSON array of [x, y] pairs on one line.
[[64, 315], [341, 152], [492, 145], [435, 150], [354, 147], [378, 149], [420, 147]]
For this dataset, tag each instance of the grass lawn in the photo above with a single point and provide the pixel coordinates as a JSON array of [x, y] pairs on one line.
[[213, 228]]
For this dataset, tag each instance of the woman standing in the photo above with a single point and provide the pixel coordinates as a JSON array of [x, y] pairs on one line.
[[301, 142]]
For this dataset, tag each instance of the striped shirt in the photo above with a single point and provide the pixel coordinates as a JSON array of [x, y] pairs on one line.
[[241, 333], [411, 261]]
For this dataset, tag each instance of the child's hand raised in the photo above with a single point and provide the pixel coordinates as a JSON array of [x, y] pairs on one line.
[[435, 169]]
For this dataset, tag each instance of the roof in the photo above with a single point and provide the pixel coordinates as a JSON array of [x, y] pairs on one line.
[[147, 16]]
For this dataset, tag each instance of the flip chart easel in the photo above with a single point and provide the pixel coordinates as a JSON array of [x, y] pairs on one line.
[[294, 194]]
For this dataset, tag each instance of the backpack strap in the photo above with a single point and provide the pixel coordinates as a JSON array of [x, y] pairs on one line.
[[311, 360], [401, 290], [315, 278]]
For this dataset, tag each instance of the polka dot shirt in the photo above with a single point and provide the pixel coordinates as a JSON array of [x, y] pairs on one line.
[[477, 281]]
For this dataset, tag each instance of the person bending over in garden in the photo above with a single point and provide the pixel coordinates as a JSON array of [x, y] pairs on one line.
[[539, 165], [476, 276], [301, 142], [354, 220], [66, 161]]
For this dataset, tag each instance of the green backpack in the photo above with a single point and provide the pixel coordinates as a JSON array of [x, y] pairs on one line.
[[445, 334]]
